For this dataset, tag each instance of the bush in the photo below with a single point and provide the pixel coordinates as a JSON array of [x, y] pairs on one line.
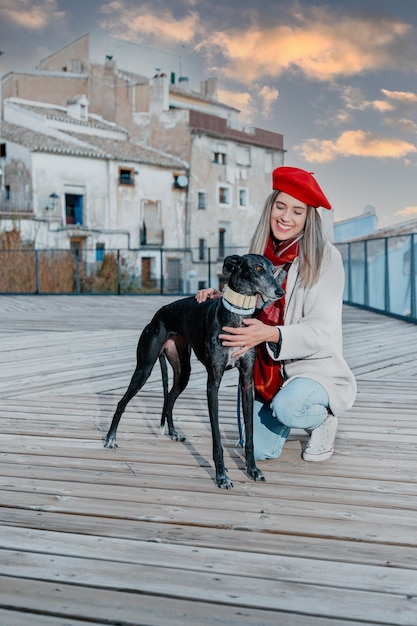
[[18, 260]]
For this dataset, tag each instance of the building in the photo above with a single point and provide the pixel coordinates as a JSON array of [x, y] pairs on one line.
[[357, 226], [101, 157]]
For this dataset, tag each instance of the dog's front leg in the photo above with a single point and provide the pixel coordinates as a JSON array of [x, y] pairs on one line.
[[222, 479], [246, 388]]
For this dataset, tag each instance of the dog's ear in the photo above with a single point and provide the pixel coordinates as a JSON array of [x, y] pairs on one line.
[[231, 262]]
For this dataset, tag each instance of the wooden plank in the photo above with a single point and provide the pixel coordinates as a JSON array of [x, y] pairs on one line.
[[91, 533], [211, 560], [107, 606], [226, 589], [331, 549]]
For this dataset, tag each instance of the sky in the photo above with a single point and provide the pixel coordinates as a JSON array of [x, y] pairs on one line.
[[337, 79]]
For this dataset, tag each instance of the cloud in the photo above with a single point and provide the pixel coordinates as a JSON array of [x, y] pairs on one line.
[[130, 21], [407, 211], [268, 95], [403, 124], [397, 109], [239, 100], [317, 44], [354, 99], [30, 14], [401, 97], [354, 143], [250, 104]]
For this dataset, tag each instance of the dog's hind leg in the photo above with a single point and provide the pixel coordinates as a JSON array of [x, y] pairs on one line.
[[164, 374], [149, 347], [178, 354]]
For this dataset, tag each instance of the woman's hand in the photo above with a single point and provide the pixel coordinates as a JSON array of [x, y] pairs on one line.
[[251, 334], [208, 294]]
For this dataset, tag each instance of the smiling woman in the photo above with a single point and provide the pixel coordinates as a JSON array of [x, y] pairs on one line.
[[301, 378]]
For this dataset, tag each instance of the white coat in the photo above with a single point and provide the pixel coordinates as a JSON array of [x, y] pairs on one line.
[[311, 337]]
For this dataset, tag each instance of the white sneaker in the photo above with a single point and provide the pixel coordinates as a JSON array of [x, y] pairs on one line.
[[321, 443]]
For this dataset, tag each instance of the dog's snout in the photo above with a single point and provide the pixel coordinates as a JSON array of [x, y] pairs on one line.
[[279, 292]]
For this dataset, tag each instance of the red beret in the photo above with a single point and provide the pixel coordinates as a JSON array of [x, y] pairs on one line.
[[299, 184]]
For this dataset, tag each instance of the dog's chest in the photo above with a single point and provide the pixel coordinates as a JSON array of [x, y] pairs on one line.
[[231, 360]]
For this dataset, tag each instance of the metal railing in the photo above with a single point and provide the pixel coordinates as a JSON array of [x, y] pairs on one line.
[[147, 270], [380, 272], [381, 275]]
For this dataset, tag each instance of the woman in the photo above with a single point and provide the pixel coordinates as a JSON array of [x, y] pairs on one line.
[[301, 378]]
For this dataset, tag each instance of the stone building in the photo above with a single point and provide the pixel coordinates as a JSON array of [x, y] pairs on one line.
[[144, 160]]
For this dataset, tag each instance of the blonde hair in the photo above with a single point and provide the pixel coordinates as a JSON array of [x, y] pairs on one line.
[[312, 243]]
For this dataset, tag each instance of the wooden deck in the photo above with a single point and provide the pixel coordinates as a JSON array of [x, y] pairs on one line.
[[142, 536]]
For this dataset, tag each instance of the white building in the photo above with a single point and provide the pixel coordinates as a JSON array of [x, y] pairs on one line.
[[100, 158]]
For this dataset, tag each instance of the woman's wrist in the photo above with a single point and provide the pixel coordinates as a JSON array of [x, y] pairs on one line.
[[274, 335]]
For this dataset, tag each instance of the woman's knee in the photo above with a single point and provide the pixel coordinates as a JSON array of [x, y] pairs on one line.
[[302, 403]]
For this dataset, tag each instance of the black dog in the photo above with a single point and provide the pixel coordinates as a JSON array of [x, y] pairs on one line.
[[186, 324]]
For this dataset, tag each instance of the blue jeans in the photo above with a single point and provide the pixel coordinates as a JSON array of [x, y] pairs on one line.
[[302, 403]]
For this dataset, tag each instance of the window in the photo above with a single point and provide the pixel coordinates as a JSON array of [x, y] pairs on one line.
[[73, 209], [219, 154], [219, 157], [243, 197], [126, 176], [99, 251], [201, 249], [151, 232], [202, 200], [224, 195], [243, 156]]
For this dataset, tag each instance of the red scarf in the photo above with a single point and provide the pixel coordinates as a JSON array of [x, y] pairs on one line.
[[267, 373]]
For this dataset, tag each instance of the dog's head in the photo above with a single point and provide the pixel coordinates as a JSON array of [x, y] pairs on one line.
[[253, 274]]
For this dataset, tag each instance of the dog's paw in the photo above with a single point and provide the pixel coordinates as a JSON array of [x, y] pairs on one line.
[[110, 443], [177, 436], [255, 474], [223, 481]]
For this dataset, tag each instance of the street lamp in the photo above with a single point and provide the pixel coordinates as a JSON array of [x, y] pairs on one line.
[[53, 201]]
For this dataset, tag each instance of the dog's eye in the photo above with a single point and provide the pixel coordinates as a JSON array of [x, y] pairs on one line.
[[258, 268]]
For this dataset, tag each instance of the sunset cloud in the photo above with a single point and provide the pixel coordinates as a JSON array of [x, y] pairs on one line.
[[30, 14], [401, 97], [128, 21], [240, 100], [356, 143], [403, 124], [249, 104], [315, 42], [268, 96], [408, 211], [317, 45]]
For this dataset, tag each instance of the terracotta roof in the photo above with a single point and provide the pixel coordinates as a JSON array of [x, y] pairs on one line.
[[130, 151], [217, 127], [39, 142], [92, 146], [61, 115]]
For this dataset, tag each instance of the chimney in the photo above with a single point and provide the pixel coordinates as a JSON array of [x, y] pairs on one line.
[[208, 88], [77, 107]]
